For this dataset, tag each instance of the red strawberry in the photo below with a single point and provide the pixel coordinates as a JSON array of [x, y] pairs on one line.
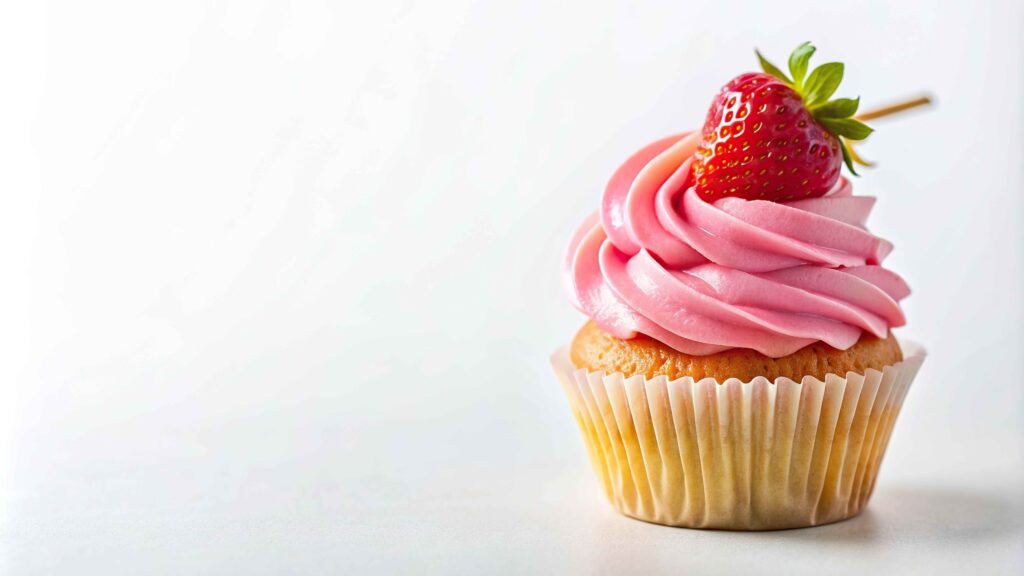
[[771, 138]]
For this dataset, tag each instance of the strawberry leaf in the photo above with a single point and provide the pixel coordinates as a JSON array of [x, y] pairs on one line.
[[856, 157], [822, 83], [846, 157], [771, 68], [798, 61], [847, 127], [838, 108]]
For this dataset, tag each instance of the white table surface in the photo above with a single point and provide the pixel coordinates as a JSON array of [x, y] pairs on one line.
[[281, 280], [272, 475]]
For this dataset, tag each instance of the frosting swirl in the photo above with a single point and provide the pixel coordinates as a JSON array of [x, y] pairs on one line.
[[704, 277]]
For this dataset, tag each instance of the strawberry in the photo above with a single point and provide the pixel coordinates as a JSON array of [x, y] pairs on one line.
[[770, 137]]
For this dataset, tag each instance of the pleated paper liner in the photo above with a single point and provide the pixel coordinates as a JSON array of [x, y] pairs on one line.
[[759, 455]]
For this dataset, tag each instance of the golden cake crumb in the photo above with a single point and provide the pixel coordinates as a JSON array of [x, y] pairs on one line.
[[594, 349]]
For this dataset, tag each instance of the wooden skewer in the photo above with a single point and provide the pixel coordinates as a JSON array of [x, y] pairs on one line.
[[894, 108], [885, 111]]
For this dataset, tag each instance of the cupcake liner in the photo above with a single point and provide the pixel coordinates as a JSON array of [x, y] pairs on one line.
[[756, 455]]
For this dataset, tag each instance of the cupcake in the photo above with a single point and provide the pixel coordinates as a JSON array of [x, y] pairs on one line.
[[738, 369]]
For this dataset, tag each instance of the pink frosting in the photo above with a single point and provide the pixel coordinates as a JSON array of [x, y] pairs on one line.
[[701, 278]]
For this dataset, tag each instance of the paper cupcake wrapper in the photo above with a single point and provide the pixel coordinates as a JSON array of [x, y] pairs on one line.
[[759, 455]]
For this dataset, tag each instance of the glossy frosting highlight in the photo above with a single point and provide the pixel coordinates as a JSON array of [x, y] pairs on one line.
[[704, 277]]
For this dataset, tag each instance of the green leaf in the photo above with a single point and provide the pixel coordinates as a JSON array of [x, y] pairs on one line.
[[798, 62], [822, 83], [847, 127], [838, 108], [846, 157], [856, 157], [771, 68]]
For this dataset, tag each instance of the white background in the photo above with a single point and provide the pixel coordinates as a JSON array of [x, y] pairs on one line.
[[280, 279]]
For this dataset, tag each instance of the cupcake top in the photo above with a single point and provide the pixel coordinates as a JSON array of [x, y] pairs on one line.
[[743, 235]]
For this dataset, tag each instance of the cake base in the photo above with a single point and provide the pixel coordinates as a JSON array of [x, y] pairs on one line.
[[596, 350], [756, 455]]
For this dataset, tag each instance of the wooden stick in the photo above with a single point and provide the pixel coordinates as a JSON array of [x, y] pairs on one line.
[[894, 108]]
